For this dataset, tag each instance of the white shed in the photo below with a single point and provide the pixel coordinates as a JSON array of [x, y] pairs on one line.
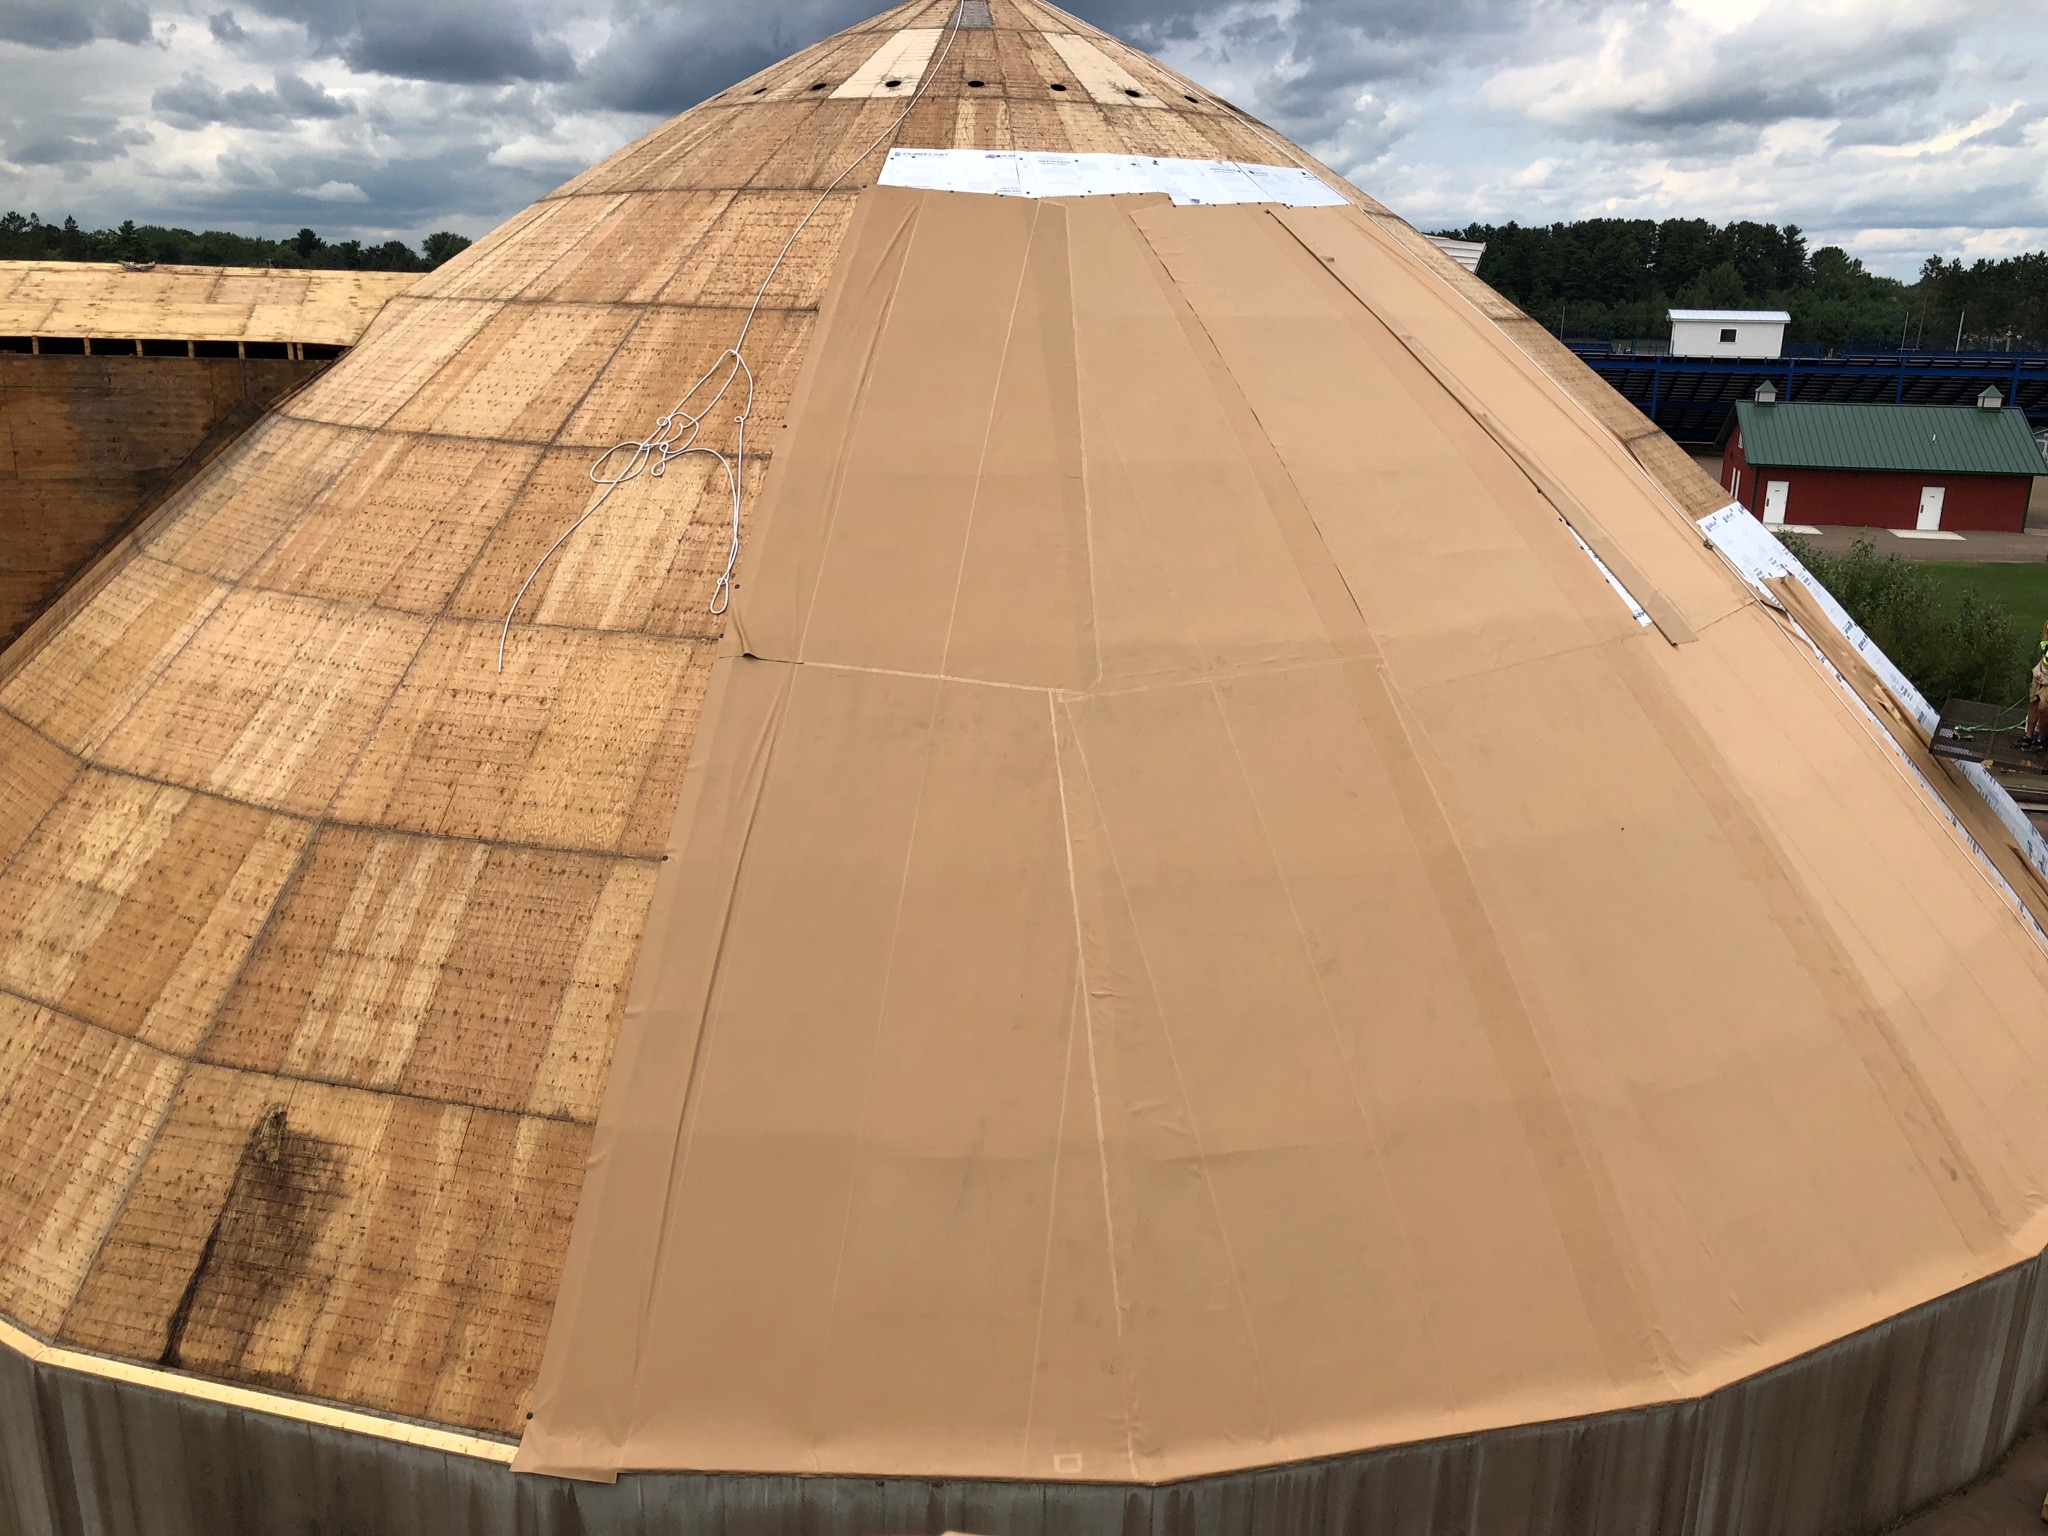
[[1728, 332]]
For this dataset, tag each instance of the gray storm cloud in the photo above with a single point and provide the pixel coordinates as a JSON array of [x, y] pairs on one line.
[[73, 23], [461, 111], [195, 100]]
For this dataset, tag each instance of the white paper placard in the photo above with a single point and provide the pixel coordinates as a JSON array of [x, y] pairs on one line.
[[1025, 173]]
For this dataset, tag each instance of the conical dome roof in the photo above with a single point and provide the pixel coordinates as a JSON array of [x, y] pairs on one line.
[[1239, 882], [282, 847]]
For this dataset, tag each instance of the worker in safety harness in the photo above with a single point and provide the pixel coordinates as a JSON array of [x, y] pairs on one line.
[[2037, 699]]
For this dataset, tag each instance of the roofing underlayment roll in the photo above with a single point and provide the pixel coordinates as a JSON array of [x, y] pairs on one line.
[[1243, 923]]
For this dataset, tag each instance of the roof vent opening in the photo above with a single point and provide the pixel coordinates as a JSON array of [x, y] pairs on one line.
[[1767, 393], [1991, 400], [821, 85], [892, 84], [1129, 92], [975, 85], [1056, 85]]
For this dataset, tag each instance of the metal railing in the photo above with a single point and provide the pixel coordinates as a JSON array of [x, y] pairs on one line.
[[1691, 397]]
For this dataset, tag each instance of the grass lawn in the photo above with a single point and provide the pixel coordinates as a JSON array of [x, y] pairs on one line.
[[2022, 590]]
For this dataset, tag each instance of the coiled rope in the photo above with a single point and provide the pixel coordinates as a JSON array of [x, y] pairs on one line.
[[675, 434]]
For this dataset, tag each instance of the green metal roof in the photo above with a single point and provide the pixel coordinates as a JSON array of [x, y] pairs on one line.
[[1918, 439]]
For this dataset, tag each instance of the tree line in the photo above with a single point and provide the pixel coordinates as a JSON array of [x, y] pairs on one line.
[[25, 237], [1618, 277]]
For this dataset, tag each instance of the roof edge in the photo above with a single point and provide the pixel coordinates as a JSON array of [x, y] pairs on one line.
[[226, 1394], [1759, 316]]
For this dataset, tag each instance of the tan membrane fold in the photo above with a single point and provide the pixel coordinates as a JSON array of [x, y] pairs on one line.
[[1201, 934]]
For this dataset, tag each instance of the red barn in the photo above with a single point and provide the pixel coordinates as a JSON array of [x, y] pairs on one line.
[[1964, 468]]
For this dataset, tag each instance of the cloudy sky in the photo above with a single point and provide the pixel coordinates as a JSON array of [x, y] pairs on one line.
[[1894, 127]]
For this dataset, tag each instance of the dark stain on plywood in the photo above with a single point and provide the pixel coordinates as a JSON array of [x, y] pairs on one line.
[[286, 1185]]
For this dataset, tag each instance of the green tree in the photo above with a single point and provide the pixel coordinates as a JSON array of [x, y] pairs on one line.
[[443, 244], [28, 238], [1720, 288], [1619, 277], [1975, 651]]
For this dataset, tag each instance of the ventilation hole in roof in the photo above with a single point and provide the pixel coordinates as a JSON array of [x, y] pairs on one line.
[[760, 90], [820, 85], [892, 84], [1129, 92], [976, 84], [1057, 86], [1196, 99]]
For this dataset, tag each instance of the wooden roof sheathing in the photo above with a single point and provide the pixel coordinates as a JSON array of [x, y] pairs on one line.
[[173, 303], [316, 929]]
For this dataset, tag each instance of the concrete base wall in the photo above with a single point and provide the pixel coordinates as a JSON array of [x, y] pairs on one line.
[[89, 444], [1844, 1440]]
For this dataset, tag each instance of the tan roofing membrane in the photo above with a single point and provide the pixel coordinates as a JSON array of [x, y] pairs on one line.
[[1187, 864], [1199, 931], [173, 303]]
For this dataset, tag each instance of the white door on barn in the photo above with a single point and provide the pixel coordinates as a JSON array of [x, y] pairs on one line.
[[1931, 498], [1776, 494]]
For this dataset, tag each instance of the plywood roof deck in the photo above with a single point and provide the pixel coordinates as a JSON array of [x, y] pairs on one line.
[[175, 303], [315, 928]]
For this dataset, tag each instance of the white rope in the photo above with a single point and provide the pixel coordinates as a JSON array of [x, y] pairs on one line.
[[675, 435]]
